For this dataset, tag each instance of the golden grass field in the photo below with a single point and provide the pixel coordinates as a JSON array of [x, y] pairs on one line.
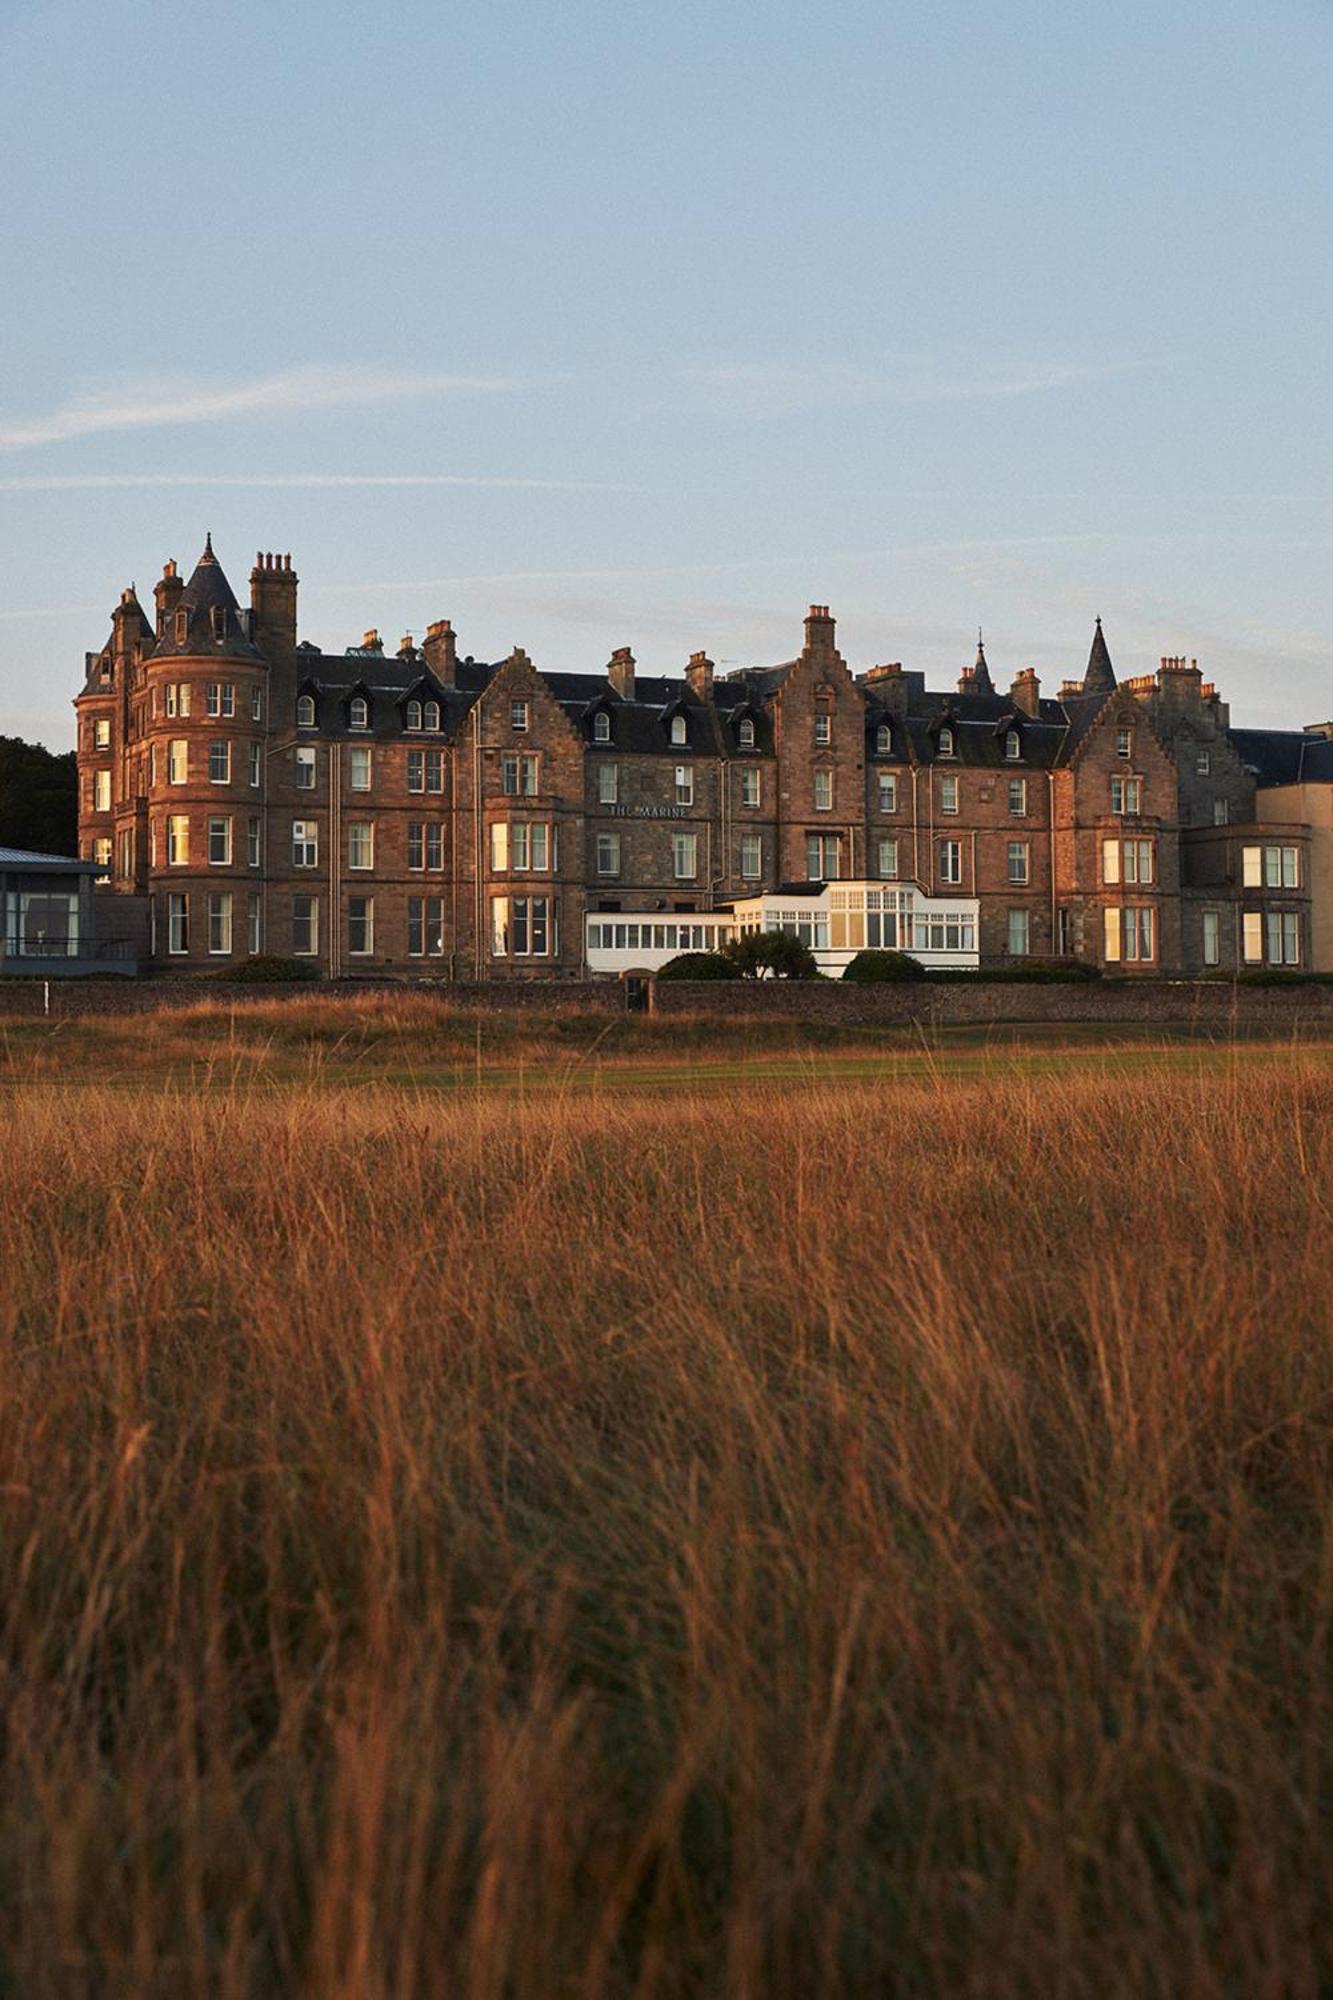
[[477, 1521]]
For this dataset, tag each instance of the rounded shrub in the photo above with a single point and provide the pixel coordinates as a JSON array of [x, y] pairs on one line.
[[771, 955], [268, 969], [699, 965], [873, 968]]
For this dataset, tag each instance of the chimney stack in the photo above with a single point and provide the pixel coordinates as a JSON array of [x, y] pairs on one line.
[[1025, 692], [273, 604], [699, 674], [620, 672], [441, 651], [819, 629], [167, 591]]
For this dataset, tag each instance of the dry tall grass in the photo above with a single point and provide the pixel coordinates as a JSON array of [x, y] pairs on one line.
[[856, 1542]]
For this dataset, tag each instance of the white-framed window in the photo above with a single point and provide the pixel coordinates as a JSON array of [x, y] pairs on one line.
[[219, 923], [360, 843], [499, 846], [1016, 861], [608, 784], [751, 785], [1203, 763], [219, 842], [684, 784], [1221, 812], [1282, 937], [102, 733], [178, 924], [305, 719], [178, 840], [1270, 867], [252, 841], [525, 926], [951, 860], [884, 738], [1013, 747], [359, 768], [430, 717], [254, 767], [101, 791], [888, 792], [178, 761], [519, 775], [219, 763], [945, 742], [531, 846], [358, 713], [1127, 796], [305, 767], [102, 856], [684, 856], [1212, 937], [1132, 861], [152, 766], [745, 733], [178, 698], [601, 727], [888, 860], [1019, 934], [948, 795], [823, 791], [256, 711], [220, 698], [414, 715], [360, 926], [416, 770], [1124, 742], [823, 857], [435, 770], [305, 843], [608, 854], [425, 926], [305, 926], [518, 715], [679, 730], [1130, 935], [752, 857], [823, 730], [1018, 797], [254, 925]]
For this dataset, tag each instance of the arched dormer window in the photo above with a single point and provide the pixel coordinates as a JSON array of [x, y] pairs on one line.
[[305, 711], [679, 734], [945, 745], [218, 619], [745, 734], [431, 715], [601, 727], [884, 737], [414, 715], [1013, 746], [358, 712]]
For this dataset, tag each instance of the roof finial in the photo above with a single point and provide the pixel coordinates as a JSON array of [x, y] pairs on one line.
[[208, 555]]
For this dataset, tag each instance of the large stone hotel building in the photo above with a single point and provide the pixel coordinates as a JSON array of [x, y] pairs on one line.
[[414, 812]]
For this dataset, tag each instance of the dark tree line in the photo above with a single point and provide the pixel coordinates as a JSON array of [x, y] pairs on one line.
[[39, 799]]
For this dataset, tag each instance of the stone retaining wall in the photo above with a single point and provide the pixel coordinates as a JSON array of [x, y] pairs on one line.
[[1202, 1003]]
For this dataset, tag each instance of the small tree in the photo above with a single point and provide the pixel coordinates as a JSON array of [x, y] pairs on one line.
[[771, 955], [699, 965]]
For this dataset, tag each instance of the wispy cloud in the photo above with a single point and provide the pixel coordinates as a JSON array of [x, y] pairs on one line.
[[778, 389], [96, 482], [155, 405]]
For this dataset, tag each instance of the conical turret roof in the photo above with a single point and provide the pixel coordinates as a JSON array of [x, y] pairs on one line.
[[1100, 675], [212, 618]]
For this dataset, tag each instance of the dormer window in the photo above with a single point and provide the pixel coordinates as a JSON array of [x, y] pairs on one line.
[[1124, 742], [518, 715], [305, 711], [414, 715], [1013, 748], [745, 734], [431, 714], [946, 742], [601, 727], [884, 739], [218, 619], [678, 731], [182, 627], [823, 729], [358, 712]]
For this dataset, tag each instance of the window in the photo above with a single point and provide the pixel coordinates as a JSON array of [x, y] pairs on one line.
[[888, 792], [178, 840], [152, 765], [1016, 859], [684, 784], [679, 733], [358, 712], [1221, 812], [751, 783], [745, 733], [1018, 797], [254, 926], [1212, 937], [888, 860], [425, 927], [1128, 861], [499, 846], [256, 708], [601, 727], [221, 698], [1127, 796], [359, 769], [414, 717], [884, 738], [608, 784], [416, 770], [219, 763], [519, 775], [518, 715], [182, 627], [823, 862], [1283, 937], [823, 730], [219, 843], [305, 719], [102, 733], [416, 844], [360, 926], [1124, 742], [608, 854], [951, 861], [305, 926], [526, 926], [435, 770], [254, 766], [360, 843], [1270, 867], [531, 846], [1013, 748], [305, 767], [823, 791], [1130, 935], [684, 853], [431, 715], [252, 840], [945, 744], [948, 795], [1203, 763], [178, 760], [178, 925], [101, 791], [219, 924], [752, 857], [102, 856], [305, 844], [434, 845], [1018, 939]]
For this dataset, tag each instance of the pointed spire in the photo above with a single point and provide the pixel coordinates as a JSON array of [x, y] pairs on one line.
[[208, 555], [1100, 675], [976, 679]]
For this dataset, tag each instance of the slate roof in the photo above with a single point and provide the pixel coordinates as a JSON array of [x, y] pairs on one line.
[[208, 592], [1099, 675], [1285, 756]]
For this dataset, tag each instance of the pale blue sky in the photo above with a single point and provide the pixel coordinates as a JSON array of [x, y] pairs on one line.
[[590, 325]]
